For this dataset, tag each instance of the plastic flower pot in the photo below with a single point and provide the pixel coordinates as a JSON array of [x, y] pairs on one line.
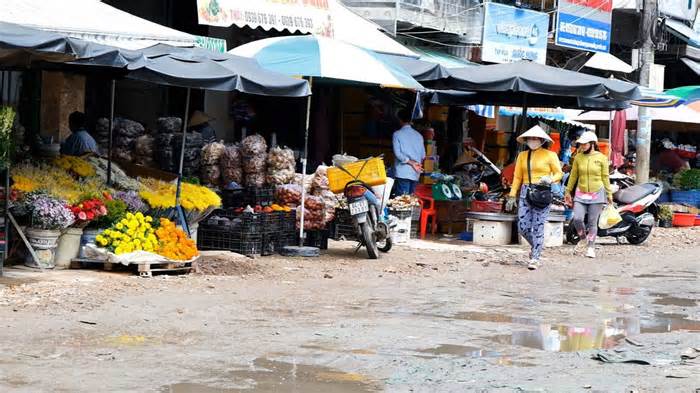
[[68, 247], [44, 243]]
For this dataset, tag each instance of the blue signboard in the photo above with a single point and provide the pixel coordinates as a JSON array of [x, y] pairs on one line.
[[513, 34], [584, 24]]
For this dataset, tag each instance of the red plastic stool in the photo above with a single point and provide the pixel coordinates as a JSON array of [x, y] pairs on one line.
[[428, 209]]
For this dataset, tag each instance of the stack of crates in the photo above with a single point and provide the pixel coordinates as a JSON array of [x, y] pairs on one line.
[[343, 228], [283, 235], [245, 237], [4, 224]]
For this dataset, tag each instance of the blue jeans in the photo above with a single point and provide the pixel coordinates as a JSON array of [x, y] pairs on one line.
[[405, 186]]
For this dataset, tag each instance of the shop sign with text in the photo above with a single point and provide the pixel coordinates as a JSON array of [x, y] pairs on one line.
[[512, 34], [584, 24], [305, 16]]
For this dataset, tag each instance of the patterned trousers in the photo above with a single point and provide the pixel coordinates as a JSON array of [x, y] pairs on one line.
[[531, 222]]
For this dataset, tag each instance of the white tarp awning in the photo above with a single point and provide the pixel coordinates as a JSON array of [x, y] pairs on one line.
[[356, 30], [91, 20], [608, 62]]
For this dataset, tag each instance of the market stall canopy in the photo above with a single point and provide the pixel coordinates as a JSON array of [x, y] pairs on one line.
[[356, 30], [651, 98], [313, 56], [449, 97], [91, 20], [444, 59], [607, 62], [681, 118], [20, 45], [537, 84], [420, 70], [205, 69]]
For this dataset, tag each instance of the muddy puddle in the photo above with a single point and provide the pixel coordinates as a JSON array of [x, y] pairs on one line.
[[667, 300], [571, 338], [267, 376]]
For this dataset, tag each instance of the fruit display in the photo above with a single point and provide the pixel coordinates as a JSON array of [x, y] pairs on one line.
[[288, 194], [314, 215]]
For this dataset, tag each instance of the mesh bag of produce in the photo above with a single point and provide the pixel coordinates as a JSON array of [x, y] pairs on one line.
[[212, 152], [288, 194], [253, 145], [169, 125]]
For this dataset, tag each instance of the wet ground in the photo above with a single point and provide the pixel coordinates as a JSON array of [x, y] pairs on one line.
[[432, 318]]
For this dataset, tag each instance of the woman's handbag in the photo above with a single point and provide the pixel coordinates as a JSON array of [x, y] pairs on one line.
[[538, 195]]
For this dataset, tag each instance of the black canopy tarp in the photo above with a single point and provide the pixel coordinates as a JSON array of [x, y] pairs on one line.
[[21, 46], [205, 69], [509, 84], [420, 70]]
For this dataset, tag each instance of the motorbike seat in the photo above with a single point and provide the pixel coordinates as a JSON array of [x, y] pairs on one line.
[[635, 193]]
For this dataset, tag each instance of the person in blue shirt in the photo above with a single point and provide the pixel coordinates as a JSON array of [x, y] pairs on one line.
[[80, 141], [409, 150]]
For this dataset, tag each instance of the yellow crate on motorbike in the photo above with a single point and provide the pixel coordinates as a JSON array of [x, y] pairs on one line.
[[371, 171]]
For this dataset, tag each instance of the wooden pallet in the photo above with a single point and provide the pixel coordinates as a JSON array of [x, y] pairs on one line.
[[143, 269]]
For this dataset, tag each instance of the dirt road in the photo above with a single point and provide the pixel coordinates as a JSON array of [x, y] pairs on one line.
[[435, 317]]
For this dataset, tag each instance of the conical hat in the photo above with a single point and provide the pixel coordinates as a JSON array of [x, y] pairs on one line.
[[534, 132]]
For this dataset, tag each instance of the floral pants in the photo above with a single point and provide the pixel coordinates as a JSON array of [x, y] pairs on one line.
[[531, 222]]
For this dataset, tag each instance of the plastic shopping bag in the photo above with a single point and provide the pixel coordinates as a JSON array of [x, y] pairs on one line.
[[609, 218]]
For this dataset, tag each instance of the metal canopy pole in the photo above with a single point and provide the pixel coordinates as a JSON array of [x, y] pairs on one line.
[[111, 126], [178, 208], [303, 165], [523, 115]]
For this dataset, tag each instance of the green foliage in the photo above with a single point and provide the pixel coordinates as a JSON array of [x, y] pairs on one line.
[[688, 180], [7, 119], [665, 213], [116, 210]]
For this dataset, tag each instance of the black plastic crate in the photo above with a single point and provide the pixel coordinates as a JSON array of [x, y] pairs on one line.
[[211, 238], [288, 222], [317, 239], [286, 240], [263, 196], [238, 223], [272, 222], [233, 198], [401, 214], [269, 245]]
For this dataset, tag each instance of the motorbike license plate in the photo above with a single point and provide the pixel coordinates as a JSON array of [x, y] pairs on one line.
[[359, 207]]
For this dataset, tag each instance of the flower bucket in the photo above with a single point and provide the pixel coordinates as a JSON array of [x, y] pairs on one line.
[[68, 247], [44, 243], [88, 237]]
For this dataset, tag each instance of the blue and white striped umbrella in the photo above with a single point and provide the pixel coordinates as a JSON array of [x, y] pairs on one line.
[[654, 99], [321, 57]]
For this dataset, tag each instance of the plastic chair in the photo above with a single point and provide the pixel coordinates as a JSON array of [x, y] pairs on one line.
[[428, 209]]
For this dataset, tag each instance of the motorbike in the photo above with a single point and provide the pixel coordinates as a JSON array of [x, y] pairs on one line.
[[366, 210], [637, 207]]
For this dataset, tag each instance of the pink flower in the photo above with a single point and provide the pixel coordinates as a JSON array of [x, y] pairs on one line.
[[82, 216], [103, 210]]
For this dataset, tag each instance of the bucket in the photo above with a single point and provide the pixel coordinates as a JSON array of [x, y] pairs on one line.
[[68, 247], [88, 237], [44, 243]]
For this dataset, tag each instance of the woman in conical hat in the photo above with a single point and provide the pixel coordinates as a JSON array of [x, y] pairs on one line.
[[543, 170]]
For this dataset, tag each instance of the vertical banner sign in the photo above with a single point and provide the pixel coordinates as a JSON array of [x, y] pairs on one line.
[[513, 34], [304, 16], [584, 24]]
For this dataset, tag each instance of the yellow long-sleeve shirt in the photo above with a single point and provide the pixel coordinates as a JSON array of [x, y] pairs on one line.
[[542, 163], [590, 172]]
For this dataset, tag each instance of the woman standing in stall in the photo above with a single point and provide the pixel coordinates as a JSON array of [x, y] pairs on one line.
[[535, 171], [590, 178]]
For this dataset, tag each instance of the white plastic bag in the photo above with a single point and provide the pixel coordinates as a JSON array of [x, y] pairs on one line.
[[609, 217]]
